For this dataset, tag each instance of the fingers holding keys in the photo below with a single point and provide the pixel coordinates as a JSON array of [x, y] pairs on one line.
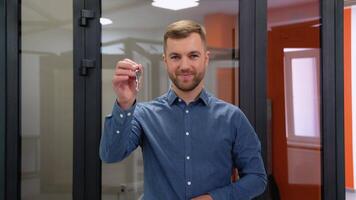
[[136, 67], [124, 65], [125, 80], [125, 72], [126, 68], [127, 64]]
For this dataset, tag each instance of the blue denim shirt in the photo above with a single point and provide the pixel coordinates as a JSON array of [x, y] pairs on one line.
[[188, 150]]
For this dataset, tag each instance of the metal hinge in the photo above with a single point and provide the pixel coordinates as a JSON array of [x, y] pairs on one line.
[[85, 65], [85, 15]]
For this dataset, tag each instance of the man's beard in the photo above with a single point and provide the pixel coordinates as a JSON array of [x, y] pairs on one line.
[[197, 78]]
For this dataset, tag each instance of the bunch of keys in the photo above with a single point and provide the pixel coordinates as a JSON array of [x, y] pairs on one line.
[[138, 77]]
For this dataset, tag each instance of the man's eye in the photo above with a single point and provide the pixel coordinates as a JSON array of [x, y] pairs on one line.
[[174, 57], [194, 56]]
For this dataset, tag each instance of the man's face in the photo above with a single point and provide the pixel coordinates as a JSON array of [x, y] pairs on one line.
[[186, 60]]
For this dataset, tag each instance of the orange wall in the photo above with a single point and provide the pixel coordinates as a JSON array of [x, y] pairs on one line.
[[220, 33], [349, 173], [220, 30], [300, 35], [225, 84]]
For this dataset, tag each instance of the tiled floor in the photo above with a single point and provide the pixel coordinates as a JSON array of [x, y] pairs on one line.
[[350, 195]]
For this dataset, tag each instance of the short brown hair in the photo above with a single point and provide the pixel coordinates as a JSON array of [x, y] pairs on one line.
[[182, 29]]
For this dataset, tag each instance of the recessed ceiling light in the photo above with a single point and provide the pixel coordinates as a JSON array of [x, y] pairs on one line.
[[175, 5], [105, 21]]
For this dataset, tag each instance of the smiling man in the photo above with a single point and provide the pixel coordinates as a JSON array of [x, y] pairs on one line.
[[190, 139]]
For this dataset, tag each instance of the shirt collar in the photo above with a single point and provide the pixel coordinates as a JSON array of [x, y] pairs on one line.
[[172, 96]]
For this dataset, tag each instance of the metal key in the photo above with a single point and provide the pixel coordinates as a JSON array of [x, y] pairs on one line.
[[138, 76]]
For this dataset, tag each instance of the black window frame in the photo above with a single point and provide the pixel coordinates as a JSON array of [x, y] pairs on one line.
[[253, 62], [10, 65], [2, 97], [332, 93], [87, 102]]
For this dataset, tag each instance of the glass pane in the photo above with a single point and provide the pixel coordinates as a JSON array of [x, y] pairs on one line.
[[294, 92], [141, 39], [47, 99]]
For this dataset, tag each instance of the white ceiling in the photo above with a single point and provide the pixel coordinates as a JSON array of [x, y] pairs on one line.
[[140, 13], [129, 13], [131, 18]]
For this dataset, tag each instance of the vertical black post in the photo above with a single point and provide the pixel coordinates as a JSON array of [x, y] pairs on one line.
[[93, 104], [253, 51], [87, 102], [333, 185], [12, 100], [247, 63], [261, 75], [340, 146], [253, 43], [2, 96], [79, 106]]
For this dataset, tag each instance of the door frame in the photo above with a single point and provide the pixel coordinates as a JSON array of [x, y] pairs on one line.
[[2, 97], [332, 101], [10, 100], [87, 102], [253, 61]]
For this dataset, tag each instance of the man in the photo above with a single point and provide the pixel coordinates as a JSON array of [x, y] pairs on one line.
[[190, 140]]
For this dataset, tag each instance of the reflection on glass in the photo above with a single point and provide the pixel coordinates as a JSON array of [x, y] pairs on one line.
[[301, 79], [302, 116], [304, 86], [294, 91], [141, 39], [47, 100]]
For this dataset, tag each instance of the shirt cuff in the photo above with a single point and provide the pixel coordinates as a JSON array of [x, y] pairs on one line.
[[120, 115]]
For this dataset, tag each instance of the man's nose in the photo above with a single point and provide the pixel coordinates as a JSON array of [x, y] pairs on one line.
[[184, 63]]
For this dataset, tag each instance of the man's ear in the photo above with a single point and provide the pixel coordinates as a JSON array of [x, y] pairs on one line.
[[207, 57], [164, 59]]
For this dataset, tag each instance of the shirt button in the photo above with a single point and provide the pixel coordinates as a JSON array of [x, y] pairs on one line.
[[188, 157], [129, 114], [189, 183], [121, 115], [186, 133], [180, 100], [187, 111], [117, 132]]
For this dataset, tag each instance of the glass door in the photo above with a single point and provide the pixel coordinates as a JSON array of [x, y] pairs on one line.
[[293, 90], [47, 99], [134, 30]]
